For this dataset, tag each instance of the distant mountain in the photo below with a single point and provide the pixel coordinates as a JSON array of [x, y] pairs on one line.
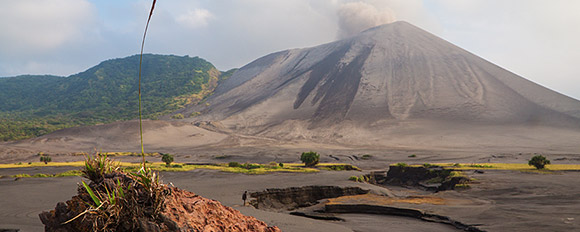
[[394, 72], [35, 105], [390, 88]]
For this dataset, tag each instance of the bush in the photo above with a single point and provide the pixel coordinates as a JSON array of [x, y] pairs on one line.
[[402, 165], [281, 165], [412, 156], [177, 116], [538, 161], [45, 159], [310, 159], [250, 166], [167, 158], [234, 164]]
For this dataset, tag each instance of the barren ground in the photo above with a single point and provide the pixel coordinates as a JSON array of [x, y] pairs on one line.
[[498, 201]]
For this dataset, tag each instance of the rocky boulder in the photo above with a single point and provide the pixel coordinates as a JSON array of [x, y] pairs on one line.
[[431, 178], [179, 210]]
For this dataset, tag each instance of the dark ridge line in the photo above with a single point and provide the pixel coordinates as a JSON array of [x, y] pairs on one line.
[[404, 212], [319, 73], [334, 105], [296, 74], [326, 218]]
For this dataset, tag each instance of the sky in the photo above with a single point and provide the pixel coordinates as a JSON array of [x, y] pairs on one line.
[[536, 39]]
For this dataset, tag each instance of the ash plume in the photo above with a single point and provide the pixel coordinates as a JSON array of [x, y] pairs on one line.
[[354, 17]]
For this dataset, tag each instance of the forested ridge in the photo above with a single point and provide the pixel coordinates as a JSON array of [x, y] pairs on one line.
[[35, 105]]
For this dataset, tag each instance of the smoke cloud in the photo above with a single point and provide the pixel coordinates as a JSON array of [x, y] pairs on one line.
[[354, 17]]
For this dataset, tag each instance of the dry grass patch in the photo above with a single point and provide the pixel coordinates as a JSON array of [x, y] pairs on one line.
[[181, 167], [511, 166], [373, 199]]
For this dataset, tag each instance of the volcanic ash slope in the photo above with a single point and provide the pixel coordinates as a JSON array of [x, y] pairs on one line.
[[386, 76]]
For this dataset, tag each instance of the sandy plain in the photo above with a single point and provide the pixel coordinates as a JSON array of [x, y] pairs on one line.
[[497, 201]]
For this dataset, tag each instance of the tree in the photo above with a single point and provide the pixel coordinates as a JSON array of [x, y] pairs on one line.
[[310, 159], [539, 161], [45, 159], [167, 158]]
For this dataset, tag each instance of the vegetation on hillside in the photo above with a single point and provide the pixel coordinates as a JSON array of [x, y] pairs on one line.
[[36, 105]]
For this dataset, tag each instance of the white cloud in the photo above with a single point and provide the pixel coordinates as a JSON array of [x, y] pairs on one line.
[[537, 39], [40, 25], [195, 18]]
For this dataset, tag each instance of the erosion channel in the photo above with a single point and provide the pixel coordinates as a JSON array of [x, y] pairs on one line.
[[330, 202]]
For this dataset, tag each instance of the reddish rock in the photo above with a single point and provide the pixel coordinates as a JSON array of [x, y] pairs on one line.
[[191, 212], [180, 211]]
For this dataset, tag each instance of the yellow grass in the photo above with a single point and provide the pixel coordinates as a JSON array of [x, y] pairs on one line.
[[382, 200], [177, 167], [511, 166], [41, 164]]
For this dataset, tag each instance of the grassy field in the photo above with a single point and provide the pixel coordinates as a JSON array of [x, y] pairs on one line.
[[181, 167], [509, 166]]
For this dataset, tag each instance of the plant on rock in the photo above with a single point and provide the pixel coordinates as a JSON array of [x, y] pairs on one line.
[[539, 161], [310, 159], [97, 166]]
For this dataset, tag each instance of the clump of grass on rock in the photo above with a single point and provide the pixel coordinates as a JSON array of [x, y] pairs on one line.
[[112, 201]]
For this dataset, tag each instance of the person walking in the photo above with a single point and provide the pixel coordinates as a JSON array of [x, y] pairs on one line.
[[244, 197]]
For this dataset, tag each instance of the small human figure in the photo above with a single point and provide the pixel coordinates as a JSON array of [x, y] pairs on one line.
[[244, 197]]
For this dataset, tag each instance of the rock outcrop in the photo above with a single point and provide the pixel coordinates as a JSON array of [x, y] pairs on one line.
[[179, 210], [433, 178], [186, 211], [297, 197]]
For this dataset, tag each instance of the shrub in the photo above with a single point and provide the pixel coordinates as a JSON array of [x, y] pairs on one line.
[[177, 116], [310, 159], [234, 164], [167, 158], [412, 156], [367, 156], [402, 165], [353, 178], [538, 161], [97, 166], [45, 159], [251, 166], [480, 166], [281, 165]]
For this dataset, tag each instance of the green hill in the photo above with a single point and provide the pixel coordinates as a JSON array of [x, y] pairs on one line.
[[35, 105]]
